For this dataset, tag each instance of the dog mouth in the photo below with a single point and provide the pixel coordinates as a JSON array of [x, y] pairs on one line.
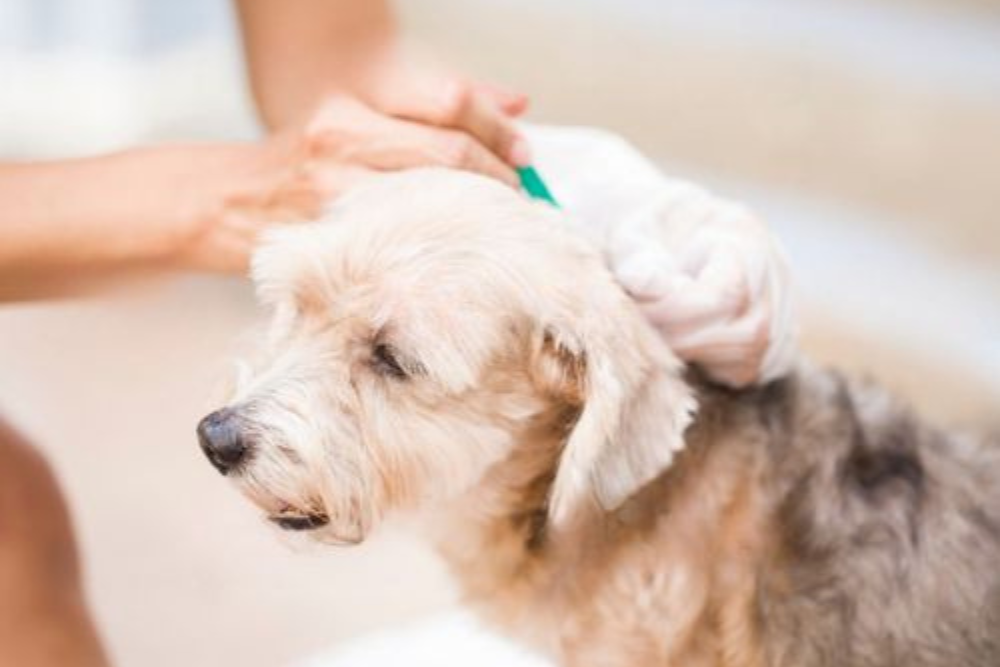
[[316, 522], [291, 520]]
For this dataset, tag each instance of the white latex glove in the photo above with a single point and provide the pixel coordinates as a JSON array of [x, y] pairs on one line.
[[713, 280], [705, 271]]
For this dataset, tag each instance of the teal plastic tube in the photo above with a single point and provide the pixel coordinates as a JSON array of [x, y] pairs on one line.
[[535, 186]]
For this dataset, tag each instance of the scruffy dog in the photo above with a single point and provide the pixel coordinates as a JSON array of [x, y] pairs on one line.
[[440, 344]]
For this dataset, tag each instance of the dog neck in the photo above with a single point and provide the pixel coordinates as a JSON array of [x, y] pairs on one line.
[[496, 536], [524, 574]]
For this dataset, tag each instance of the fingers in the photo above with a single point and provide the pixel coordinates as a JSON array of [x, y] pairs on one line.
[[649, 275], [483, 113], [511, 103], [468, 109], [748, 333], [783, 346], [720, 319], [348, 132], [709, 276], [711, 300], [732, 353], [428, 146], [720, 292]]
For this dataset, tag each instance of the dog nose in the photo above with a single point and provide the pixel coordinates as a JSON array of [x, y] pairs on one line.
[[221, 440]]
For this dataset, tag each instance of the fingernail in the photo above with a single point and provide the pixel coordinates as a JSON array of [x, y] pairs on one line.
[[520, 154], [516, 105]]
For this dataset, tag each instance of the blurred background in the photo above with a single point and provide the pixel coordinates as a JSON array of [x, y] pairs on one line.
[[866, 131]]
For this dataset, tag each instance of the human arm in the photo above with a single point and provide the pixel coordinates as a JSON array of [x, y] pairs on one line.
[[156, 207], [302, 53], [195, 207]]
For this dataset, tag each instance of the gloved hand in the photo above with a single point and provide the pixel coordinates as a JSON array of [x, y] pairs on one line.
[[712, 278], [705, 271]]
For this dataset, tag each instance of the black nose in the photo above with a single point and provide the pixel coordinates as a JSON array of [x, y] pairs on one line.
[[221, 440]]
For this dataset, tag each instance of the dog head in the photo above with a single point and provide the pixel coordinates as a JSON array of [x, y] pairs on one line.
[[415, 332]]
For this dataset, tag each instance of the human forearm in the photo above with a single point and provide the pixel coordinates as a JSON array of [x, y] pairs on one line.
[[203, 207], [152, 207], [299, 52], [100, 211], [302, 53]]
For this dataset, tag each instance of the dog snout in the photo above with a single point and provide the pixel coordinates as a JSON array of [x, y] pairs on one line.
[[223, 441]]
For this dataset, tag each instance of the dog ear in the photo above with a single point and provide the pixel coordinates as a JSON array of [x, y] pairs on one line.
[[634, 406]]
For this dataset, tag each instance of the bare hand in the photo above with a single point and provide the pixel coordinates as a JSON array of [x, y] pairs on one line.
[[290, 176]]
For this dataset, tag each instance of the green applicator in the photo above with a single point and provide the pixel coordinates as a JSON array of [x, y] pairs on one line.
[[535, 186]]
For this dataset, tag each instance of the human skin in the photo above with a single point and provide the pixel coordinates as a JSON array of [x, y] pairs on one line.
[[43, 617], [347, 107], [292, 68], [201, 208], [340, 104]]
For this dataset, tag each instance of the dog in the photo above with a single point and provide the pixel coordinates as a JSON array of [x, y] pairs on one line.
[[443, 347]]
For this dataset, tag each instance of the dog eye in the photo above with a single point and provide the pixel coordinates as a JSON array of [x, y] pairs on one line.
[[385, 362]]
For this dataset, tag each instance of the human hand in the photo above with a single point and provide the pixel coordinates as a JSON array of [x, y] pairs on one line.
[[292, 174], [301, 53], [713, 280], [436, 98], [345, 132]]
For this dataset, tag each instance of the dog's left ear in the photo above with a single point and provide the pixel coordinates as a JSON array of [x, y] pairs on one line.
[[634, 405]]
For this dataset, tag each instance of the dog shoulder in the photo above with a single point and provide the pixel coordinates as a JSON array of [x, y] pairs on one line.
[[871, 506]]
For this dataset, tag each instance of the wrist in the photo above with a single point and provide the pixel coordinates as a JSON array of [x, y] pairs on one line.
[[363, 72]]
